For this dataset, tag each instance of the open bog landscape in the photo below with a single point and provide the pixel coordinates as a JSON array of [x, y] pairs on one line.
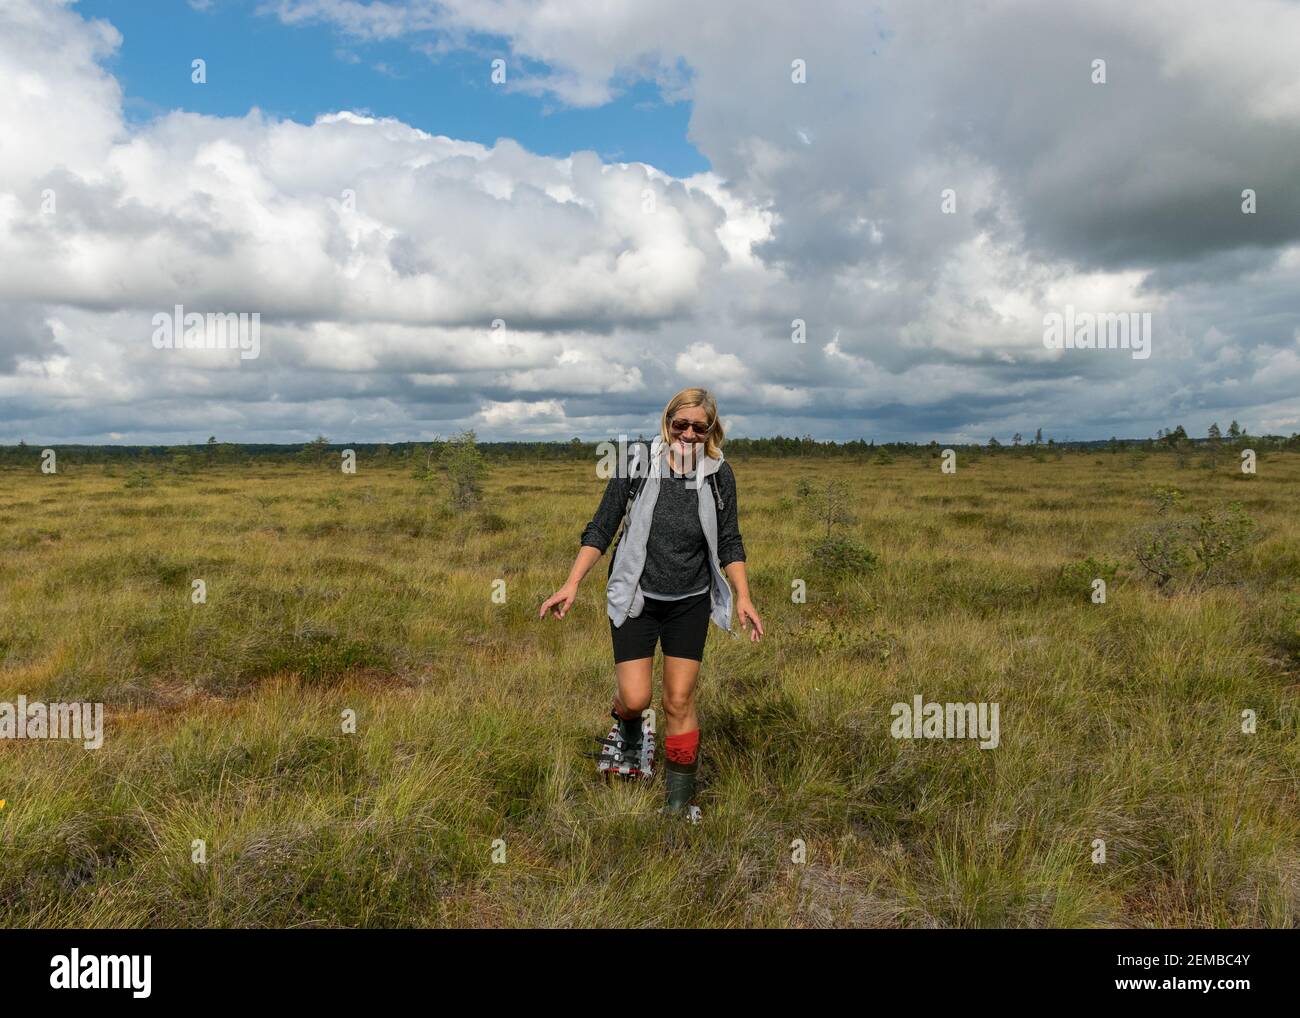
[[357, 719]]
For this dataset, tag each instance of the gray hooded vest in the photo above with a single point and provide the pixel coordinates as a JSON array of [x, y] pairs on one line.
[[624, 599]]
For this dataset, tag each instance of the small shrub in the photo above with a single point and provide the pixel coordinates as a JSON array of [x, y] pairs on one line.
[[824, 636], [1075, 578], [1197, 549], [834, 554], [426, 465], [839, 555]]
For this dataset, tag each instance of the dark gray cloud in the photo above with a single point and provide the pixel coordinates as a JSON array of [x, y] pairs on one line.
[[24, 334]]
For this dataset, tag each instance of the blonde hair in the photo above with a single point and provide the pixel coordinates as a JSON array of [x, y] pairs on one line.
[[700, 398]]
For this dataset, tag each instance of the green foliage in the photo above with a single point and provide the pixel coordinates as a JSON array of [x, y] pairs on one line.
[[834, 554], [830, 634], [315, 450], [839, 555], [464, 468], [1075, 578], [319, 656], [427, 459], [212, 453], [1196, 549], [1176, 437], [1166, 500]]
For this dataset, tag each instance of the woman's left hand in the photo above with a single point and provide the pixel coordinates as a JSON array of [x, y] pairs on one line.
[[746, 613]]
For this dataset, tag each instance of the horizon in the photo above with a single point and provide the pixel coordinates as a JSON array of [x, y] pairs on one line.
[[1010, 443]]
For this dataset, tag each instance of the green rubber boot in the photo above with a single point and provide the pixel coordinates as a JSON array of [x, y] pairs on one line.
[[680, 779]]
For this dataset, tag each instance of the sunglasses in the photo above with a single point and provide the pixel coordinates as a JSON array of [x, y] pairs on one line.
[[695, 426]]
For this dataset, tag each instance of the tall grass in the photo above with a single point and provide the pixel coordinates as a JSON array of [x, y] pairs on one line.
[[329, 593]]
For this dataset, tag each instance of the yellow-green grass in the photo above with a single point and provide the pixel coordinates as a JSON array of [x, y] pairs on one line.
[[328, 592]]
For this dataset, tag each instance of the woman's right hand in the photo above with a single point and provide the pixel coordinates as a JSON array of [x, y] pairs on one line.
[[559, 603]]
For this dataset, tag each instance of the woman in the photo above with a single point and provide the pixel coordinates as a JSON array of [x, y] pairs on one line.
[[668, 576]]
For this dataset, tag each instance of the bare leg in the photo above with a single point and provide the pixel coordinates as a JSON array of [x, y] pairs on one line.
[[680, 674], [634, 685]]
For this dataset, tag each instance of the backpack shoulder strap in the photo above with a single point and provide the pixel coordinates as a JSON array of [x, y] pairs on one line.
[[636, 483], [633, 489]]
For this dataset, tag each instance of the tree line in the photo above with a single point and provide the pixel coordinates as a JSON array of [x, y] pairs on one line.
[[321, 449]]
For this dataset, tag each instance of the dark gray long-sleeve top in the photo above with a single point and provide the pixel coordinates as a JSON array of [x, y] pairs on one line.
[[676, 553]]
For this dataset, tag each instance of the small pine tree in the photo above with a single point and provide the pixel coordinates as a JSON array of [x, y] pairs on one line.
[[1214, 443], [838, 554], [464, 466], [315, 450], [830, 505]]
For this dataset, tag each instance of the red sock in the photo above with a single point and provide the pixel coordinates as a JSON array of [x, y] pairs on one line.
[[682, 748]]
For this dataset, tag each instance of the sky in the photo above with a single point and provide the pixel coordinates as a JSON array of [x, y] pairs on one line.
[[541, 219]]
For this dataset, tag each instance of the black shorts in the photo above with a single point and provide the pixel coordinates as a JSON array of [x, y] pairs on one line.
[[681, 626]]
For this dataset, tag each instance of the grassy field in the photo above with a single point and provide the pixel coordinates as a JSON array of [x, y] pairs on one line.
[[329, 593]]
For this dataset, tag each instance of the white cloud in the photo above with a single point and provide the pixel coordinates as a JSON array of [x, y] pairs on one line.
[[379, 254]]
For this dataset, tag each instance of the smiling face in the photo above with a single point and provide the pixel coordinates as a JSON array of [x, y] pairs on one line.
[[691, 421], [685, 417]]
